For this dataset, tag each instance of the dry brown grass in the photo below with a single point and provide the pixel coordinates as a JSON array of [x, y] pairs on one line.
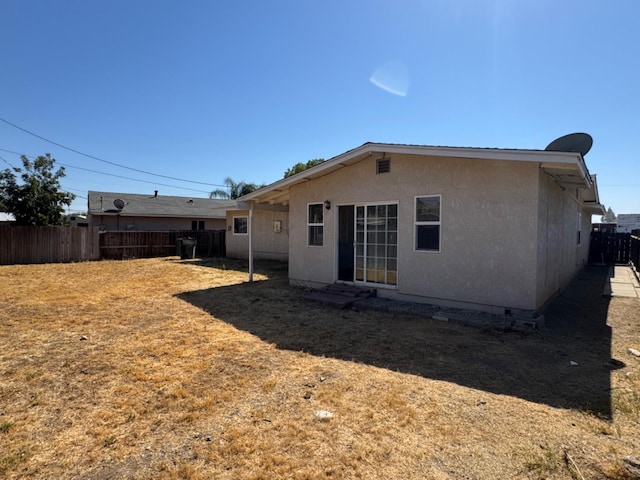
[[180, 370]]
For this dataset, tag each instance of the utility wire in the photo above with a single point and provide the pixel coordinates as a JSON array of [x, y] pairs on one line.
[[76, 194], [102, 160], [114, 175], [134, 179], [5, 161]]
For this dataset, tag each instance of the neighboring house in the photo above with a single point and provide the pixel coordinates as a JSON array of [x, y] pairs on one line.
[[129, 211], [604, 227], [628, 222], [492, 229], [77, 220]]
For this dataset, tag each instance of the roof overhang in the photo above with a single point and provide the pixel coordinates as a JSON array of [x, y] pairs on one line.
[[591, 199], [567, 168]]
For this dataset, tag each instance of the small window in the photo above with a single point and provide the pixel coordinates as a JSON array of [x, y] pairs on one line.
[[240, 225], [383, 165], [197, 224], [427, 221], [315, 225]]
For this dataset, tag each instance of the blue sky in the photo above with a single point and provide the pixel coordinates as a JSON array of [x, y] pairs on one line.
[[203, 90]]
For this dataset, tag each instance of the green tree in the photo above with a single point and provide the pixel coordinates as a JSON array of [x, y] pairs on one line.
[[301, 167], [37, 200], [234, 189]]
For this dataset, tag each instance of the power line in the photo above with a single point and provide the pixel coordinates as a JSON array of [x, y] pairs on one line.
[[117, 176], [133, 179], [5, 161], [76, 190], [102, 160]]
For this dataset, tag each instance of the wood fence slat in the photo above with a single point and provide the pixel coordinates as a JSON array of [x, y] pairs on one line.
[[24, 245], [119, 245], [610, 248]]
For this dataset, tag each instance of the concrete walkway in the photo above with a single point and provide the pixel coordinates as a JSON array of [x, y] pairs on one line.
[[621, 282]]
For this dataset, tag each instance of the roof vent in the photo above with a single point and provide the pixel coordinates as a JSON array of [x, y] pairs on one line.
[[383, 165]]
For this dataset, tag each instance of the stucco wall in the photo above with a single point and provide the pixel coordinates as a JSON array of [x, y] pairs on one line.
[[488, 230], [113, 222], [560, 217], [267, 244]]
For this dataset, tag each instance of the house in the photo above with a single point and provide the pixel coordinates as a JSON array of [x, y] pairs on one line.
[[77, 220], [628, 222], [490, 229], [604, 227], [129, 211]]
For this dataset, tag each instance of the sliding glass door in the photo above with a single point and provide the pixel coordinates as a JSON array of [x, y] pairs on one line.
[[376, 244]]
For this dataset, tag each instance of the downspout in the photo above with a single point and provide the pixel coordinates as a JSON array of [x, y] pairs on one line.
[[250, 226]]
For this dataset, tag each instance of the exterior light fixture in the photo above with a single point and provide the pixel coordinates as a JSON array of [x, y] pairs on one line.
[[327, 204]]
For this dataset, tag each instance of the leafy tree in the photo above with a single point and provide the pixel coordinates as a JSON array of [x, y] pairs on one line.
[[234, 189], [609, 217], [301, 167], [37, 200]]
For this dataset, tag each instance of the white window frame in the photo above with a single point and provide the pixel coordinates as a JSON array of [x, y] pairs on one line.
[[417, 223], [314, 225], [233, 227], [579, 234], [198, 223], [367, 245]]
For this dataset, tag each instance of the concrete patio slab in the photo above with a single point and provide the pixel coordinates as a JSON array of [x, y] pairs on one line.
[[621, 282]]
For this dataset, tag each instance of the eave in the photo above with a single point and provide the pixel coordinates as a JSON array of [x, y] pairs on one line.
[[567, 168]]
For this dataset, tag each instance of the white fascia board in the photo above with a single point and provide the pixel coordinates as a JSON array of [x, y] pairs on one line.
[[594, 183], [537, 156]]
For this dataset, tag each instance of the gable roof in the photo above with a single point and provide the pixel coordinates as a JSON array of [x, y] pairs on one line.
[[138, 205], [567, 168]]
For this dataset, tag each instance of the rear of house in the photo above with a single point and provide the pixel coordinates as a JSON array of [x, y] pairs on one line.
[[475, 228]]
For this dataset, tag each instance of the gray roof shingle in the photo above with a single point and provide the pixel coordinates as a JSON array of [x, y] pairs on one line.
[[138, 205]]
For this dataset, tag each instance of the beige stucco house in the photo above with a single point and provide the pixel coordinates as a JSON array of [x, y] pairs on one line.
[[135, 211], [491, 229]]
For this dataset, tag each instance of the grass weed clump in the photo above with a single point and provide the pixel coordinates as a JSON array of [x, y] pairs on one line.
[[172, 369]]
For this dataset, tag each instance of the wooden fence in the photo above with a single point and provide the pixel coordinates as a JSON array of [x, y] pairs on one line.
[[634, 254], [610, 248], [121, 245], [22, 245]]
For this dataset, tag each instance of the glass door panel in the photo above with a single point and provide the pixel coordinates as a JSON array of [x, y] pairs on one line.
[[376, 244]]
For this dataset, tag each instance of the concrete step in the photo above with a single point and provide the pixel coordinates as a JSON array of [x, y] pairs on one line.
[[349, 290]]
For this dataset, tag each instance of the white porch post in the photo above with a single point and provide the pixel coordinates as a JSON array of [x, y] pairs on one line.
[[250, 226]]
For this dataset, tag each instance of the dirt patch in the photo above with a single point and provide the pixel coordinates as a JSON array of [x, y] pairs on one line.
[[179, 369]]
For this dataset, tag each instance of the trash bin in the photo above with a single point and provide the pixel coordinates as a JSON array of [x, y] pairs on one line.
[[186, 247]]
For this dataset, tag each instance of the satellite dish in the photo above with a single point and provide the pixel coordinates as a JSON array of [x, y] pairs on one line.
[[574, 142], [118, 203]]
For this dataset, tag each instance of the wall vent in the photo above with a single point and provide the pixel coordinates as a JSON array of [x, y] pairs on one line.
[[383, 165]]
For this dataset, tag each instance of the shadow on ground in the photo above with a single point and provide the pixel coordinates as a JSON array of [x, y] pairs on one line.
[[566, 365]]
